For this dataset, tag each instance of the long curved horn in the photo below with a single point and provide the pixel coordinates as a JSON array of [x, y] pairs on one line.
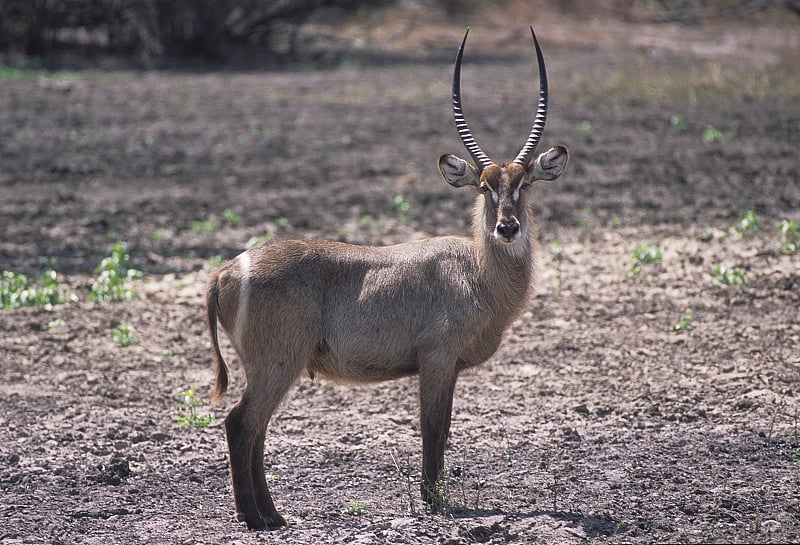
[[480, 159], [526, 153]]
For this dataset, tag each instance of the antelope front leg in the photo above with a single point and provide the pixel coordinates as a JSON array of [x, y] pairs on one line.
[[436, 404]]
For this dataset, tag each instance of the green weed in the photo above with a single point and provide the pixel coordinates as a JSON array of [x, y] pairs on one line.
[[644, 254], [113, 274], [790, 236], [585, 128], [204, 227], [684, 322], [402, 207], [124, 335], [711, 134], [705, 235], [441, 502], [366, 221], [748, 222], [356, 508], [677, 122], [54, 324], [231, 217], [253, 241], [188, 408], [729, 277], [16, 291], [158, 235]]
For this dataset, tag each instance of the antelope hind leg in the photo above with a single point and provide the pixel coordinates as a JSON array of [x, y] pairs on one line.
[[242, 448], [262, 495]]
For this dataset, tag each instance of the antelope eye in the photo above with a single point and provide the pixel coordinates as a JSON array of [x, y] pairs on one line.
[[484, 187]]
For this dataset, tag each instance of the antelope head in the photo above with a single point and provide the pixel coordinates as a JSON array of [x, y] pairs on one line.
[[504, 186]]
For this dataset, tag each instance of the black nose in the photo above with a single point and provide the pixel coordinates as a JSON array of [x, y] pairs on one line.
[[508, 230]]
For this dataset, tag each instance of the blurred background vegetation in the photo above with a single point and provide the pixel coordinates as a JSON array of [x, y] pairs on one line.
[[149, 33]]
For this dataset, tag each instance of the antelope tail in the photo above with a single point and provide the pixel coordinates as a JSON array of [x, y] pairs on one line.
[[220, 367]]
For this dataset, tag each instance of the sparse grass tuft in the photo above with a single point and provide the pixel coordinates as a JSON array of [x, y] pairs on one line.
[[188, 408], [587, 214], [411, 486], [439, 496]]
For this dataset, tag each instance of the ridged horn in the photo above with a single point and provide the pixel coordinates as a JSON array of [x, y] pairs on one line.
[[480, 159], [526, 153]]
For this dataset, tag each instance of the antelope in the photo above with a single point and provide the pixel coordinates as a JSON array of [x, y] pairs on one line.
[[364, 314]]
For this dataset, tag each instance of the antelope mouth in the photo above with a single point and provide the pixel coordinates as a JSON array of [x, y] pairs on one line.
[[507, 240]]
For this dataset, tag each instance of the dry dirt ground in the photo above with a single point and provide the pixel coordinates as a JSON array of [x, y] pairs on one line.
[[595, 421]]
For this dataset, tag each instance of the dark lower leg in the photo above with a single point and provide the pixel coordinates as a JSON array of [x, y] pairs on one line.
[[436, 406], [261, 490], [241, 449]]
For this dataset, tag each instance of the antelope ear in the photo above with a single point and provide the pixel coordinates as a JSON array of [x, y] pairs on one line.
[[458, 172], [549, 165]]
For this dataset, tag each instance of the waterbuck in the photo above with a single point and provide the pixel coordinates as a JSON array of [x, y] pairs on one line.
[[363, 314]]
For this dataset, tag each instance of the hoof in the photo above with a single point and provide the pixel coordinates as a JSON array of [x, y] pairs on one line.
[[263, 524], [272, 522], [276, 521]]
